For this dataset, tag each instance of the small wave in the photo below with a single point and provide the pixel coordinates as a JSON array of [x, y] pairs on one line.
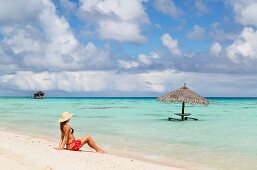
[[151, 114], [98, 108], [94, 117], [249, 107], [207, 115]]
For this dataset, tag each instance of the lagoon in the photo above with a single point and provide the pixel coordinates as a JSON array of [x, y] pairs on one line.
[[224, 137]]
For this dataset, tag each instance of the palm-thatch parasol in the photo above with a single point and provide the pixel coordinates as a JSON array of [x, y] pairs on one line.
[[184, 95]]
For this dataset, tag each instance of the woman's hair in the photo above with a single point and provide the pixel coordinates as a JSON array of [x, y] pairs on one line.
[[61, 126]]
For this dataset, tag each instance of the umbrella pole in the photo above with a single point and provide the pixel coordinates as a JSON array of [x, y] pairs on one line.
[[183, 110]]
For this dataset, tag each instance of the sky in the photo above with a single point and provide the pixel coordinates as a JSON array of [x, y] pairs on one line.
[[128, 47]]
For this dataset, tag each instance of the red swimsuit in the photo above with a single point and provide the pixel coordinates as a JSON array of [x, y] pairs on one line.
[[74, 145]]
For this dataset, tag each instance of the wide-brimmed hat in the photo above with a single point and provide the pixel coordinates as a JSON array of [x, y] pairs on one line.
[[65, 116]]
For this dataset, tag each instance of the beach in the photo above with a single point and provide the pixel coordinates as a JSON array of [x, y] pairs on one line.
[[22, 152]]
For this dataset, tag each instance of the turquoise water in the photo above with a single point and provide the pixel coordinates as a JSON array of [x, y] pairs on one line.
[[225, 137]]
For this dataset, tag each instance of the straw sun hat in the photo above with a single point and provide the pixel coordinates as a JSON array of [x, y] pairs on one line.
[[65, 116]]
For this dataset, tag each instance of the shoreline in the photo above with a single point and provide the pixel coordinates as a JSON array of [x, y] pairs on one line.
[[21, 151]]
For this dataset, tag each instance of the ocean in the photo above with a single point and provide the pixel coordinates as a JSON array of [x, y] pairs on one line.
[[224, 137]]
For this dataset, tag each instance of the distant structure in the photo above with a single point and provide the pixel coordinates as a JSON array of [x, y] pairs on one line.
[[39, 95]]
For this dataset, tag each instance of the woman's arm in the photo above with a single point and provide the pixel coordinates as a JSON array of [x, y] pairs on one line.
[[64, 137], [60, 143]]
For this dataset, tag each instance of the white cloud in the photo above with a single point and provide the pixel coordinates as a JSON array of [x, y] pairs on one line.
[[120, 31], [148, 59], [142, 60], [13, 11], [96, 58], [20, 41], [125, 10], [83, 81], [109, 82], [197, 33], [126, 64], [116, 15], [245, 11], [66, 81], [171, 44], [244, 48], [50, 44], [56, 29], [167, 7], [131, 11], [216, 49], [44, 43]]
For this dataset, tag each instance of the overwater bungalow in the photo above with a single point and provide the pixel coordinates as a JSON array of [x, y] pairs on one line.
[[39, 95]]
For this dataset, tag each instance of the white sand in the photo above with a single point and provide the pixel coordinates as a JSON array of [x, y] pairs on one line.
[[24, 152]]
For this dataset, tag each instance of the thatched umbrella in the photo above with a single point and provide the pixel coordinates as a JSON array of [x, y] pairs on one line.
[[184, 95]]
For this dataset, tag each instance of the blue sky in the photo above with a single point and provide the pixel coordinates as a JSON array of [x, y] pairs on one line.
[[128, 48]]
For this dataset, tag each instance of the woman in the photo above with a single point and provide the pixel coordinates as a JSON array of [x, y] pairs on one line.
[[68, 139]]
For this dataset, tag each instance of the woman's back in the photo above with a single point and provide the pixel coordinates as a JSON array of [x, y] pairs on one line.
[[67, 129]]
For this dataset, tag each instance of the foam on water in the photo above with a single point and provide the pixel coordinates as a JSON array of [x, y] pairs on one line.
[[224, 137]]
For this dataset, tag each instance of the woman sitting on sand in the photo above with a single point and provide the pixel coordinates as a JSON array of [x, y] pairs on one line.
[[68, 139]]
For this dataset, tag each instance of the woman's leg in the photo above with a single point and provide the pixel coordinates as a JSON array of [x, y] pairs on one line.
[[87, 139]]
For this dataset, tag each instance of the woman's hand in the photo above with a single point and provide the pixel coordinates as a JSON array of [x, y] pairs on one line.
[[58, 148]]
